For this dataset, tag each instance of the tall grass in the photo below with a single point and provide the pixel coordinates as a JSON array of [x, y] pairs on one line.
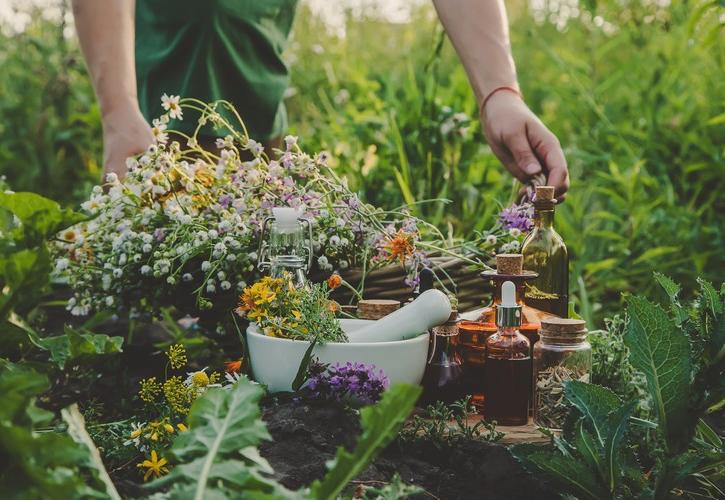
[[633, 90]]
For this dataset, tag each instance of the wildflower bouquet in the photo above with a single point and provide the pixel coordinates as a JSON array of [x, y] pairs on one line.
[[281, 310], [185, 221]]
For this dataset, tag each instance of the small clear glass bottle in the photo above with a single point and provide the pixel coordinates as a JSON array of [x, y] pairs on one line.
[[561, 354]]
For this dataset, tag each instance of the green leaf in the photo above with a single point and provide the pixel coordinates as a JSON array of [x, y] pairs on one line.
[[380, 424], [40, 217], [672, 290], [586, 444], [571, 474], [23, 275], [36, 465], [653, 253], [613, 446], [660, 350], [595, 403], [216, 457], [302, 371], [74, 345], [77, 431], [711, 297]]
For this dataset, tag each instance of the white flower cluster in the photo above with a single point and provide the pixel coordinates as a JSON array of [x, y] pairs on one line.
[[186, 222]]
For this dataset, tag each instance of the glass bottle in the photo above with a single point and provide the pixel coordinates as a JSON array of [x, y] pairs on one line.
[[285, 247], [472, 338], [545, 253], [507, 370], [443, 379], [562, 354]]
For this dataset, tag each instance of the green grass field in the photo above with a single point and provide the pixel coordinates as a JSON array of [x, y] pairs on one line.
[[633, 90]]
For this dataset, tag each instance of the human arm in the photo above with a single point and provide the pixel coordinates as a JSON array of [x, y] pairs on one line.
[[106, 33], [479, 32]]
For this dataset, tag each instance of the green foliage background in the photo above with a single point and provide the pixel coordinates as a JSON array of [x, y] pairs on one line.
[[633, 90]]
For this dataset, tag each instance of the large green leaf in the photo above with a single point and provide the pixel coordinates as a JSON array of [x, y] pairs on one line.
[[40, 218], [217, 455], [23, 274], [596, 404], [574, 476], [660, 350], [380, 424], [44, 465], [74, 345]]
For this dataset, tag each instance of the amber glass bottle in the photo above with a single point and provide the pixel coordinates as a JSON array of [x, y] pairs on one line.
[[443, 379], [507, 369], [545, 254]]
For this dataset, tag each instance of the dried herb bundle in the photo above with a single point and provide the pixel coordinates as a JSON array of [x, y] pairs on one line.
[[551, 405]]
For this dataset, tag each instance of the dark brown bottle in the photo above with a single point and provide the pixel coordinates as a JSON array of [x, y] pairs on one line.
[[507, 370], [443, 379]]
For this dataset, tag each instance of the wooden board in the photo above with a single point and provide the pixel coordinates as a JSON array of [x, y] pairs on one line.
[[515, 434]]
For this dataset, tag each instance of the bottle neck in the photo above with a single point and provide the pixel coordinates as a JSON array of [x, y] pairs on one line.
[[508, 331], [544, 219]]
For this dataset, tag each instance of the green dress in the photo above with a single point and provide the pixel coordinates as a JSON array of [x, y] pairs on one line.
[[215, 49]]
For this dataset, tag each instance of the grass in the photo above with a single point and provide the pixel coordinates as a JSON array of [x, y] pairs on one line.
[[633, 91]]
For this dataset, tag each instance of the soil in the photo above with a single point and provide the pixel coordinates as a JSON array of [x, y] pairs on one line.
[[305, 436]]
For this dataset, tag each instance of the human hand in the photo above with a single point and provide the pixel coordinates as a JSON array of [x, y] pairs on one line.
[[125, 133], [523, 143]]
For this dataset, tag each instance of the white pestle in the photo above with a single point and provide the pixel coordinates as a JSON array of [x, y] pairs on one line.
[[431, 308]]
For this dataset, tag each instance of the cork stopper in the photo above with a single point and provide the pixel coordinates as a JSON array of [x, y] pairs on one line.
[[563, 326], [509, 263], [376, 308], [544, 193]]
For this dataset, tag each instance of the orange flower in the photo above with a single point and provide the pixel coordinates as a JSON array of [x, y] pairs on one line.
[[334, 281], [333, 306], [401, 245], [233, 366]]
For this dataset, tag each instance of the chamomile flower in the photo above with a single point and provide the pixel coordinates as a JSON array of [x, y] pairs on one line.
[[158, 129], [171, 104]]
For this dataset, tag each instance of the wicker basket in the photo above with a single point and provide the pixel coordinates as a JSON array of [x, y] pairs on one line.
[[388, 282]]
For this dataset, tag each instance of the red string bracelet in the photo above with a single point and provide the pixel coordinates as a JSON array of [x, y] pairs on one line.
[[499, 89]]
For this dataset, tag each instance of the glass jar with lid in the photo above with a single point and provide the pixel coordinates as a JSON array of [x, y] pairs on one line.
[[561, 354]]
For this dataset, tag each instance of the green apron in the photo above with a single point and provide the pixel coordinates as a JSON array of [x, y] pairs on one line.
[[215, 49]]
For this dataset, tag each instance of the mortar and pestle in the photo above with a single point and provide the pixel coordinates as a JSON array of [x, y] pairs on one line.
[[396, 343]]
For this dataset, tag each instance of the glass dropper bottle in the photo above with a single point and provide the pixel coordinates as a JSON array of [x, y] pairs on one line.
[[507, 382]]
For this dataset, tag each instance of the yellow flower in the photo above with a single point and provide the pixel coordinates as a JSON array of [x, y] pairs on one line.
[[168, 428], [154, 466], [136, 433], [200, 379], [296, 314], [150, 388], [177, 356], [182, 427]]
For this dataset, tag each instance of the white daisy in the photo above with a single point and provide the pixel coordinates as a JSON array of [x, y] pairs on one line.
[[171, 104]]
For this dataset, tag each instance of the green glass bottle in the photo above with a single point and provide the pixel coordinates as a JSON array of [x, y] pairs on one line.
[[545, 253]]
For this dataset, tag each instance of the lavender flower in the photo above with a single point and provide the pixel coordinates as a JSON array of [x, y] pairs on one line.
[[517, 217], [352, 383]]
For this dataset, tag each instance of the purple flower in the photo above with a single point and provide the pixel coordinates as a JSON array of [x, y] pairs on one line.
[[351, 383], [159, 234], [225, 200], [517, 216]]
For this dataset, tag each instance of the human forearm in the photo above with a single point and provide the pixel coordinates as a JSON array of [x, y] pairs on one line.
[[480, 35], [106, 33]]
